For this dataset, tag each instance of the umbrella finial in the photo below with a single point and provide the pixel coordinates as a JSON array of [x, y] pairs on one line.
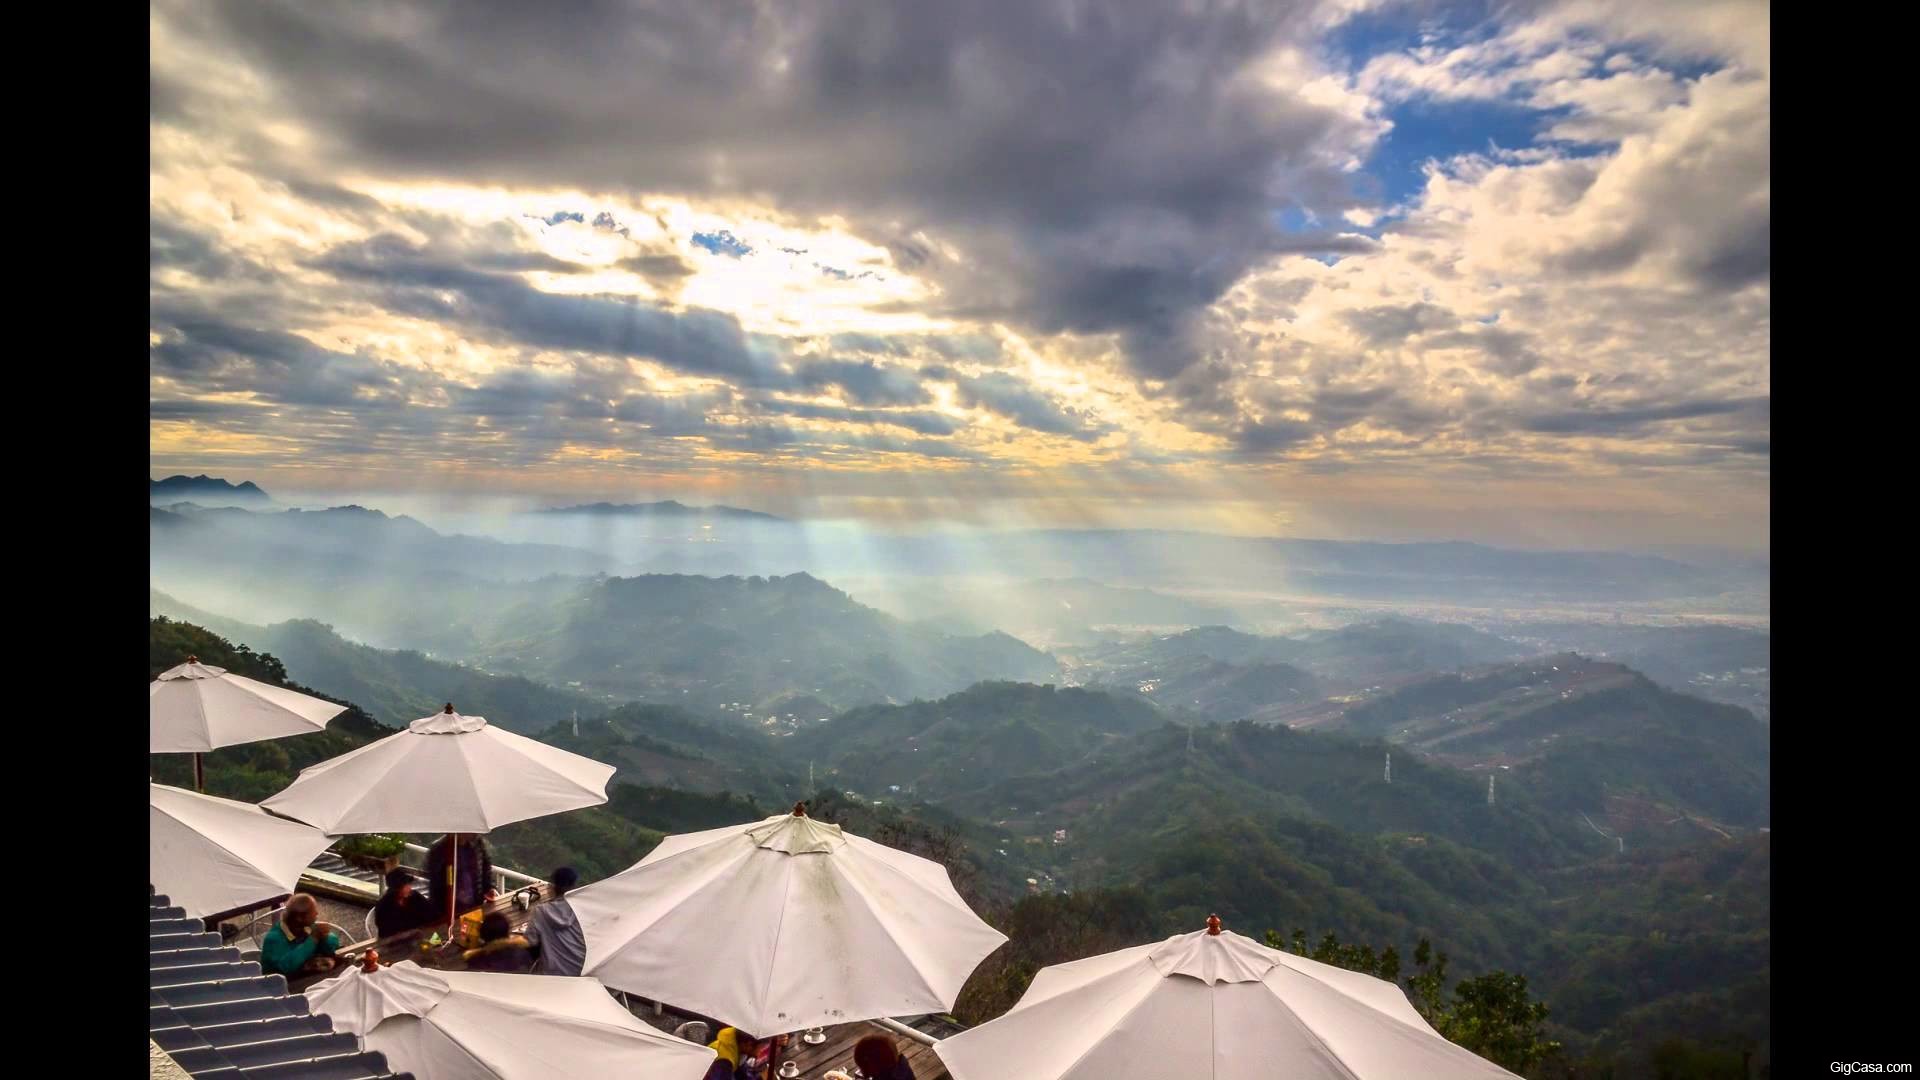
[[1213, 926], [192, 659], [800, 809], [370, 962], [449, 707]]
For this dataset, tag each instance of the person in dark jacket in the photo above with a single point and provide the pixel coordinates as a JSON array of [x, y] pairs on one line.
[[500, 948], [879, 1059], [559, 948], [402, 907], [475, 868]]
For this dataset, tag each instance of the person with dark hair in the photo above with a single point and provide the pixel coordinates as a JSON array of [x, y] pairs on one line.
[[500, 948], [299, 943], [879, 1059], [559, 948], [401, 907], [475, 874]]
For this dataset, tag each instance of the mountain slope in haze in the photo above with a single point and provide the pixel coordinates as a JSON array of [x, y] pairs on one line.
[[1223, 692], [971, 739], [711, 641], [205, 490], [1728, 664], [397, 686], [302, 544], [668, 509], [1585, 731], [667, 747], [1039, 610], [1351, 656]]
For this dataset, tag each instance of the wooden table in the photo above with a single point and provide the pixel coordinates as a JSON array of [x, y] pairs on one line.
[[406, 945], [837, 1052]]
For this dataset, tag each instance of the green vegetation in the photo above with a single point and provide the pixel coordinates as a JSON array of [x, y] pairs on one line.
[[968, 740]]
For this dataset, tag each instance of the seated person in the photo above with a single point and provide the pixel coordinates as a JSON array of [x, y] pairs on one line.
[[554, 932], [299, 943], [879, 1059], [402, 908], [741, 1056], [500, 948]]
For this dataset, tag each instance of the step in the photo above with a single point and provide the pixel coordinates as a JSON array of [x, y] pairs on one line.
[[305, 1048], [179, 958], [371, 1065], [166, 978], [255, 985]]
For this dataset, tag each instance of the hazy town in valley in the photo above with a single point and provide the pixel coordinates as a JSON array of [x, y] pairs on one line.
[[832, 540]]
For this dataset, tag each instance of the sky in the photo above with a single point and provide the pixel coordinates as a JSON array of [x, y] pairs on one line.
[[1337, 268]]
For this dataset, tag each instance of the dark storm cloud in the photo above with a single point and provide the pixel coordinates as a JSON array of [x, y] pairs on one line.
[[867, 383], [1103, 168]]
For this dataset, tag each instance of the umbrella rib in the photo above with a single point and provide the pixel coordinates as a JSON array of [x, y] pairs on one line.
[[773, 960], [913, 960], [1363, 1004], [473, 785], [1131, 1009]]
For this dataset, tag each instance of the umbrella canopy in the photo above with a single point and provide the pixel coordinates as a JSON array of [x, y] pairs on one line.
[[483, 1025], [195, 707], [784, 924], [1208, 1006], [446, 773], [212, 855]]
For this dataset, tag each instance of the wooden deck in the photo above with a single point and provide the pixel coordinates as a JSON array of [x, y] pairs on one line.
[[837, 1052]]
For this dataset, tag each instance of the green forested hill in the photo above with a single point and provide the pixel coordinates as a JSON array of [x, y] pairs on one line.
[[395, 686], [969, 740]]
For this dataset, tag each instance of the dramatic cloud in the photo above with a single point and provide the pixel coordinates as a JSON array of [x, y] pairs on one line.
[[1232, 247]]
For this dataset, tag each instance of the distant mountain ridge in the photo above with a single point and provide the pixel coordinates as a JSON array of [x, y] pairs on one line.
[[183, 488], [666, 508]]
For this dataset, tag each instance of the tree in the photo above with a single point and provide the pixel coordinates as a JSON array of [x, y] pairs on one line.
[[1492, 1015]]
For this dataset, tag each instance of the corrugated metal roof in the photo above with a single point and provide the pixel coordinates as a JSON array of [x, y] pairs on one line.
[[217, 1015]]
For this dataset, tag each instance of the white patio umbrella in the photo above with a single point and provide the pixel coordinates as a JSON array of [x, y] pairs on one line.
[[484, 1025], [213, 855], [784, 924], [1208, 1006], [445, 773], [193, 708]]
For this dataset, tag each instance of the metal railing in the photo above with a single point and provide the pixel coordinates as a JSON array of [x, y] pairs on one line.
[[899, 1028], [504, 880]]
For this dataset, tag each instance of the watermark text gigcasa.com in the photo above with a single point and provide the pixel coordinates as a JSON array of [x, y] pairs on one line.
[[1857, 1068]]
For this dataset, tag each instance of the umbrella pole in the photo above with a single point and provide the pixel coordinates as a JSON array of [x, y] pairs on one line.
[[453, 881], [199, 775]]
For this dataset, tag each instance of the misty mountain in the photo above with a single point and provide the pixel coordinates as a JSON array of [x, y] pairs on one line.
[[1222, 692], [1730, 664], [966, 741], [1040, 610], [285, 558], [1585, 731], [666, 746], [712, 641], [668, 509], [1428, 572], [1362, 653], [205, 490], [396, 686]]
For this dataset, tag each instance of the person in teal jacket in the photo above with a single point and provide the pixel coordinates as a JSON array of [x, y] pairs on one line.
[[299, 942]]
